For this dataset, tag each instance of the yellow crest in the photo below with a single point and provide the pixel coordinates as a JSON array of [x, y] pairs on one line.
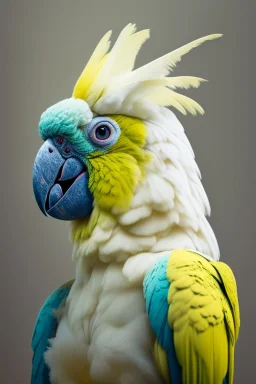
[[109, 84]]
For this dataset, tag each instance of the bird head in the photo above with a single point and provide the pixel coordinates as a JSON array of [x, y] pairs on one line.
[[87, 160], [102, 144]]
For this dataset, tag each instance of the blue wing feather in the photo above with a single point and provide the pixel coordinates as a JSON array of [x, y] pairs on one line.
[[156, 287], [45, 329]]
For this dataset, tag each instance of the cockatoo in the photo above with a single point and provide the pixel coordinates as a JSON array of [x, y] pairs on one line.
[[150, 302]]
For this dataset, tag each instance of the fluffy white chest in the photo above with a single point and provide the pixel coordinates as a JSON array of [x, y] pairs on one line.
[[104, 331]]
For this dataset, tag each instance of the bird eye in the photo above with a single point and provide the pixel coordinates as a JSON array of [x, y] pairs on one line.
[[102, 132]]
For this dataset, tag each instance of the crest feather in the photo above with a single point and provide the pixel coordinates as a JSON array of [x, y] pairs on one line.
[[89, 73], [120, 60], [164, 64], [109, 84]]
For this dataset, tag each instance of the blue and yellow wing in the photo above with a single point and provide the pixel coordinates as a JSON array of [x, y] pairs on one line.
[[45, 329], [193, 309]]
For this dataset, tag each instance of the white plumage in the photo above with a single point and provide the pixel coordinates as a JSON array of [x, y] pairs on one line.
[[169, 203], [105, 309]]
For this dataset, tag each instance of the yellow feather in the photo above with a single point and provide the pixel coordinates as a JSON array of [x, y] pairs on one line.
[[164, 64], [120, 60], [229, 283], [128, 52], [204, 315], [91, 69], [156, 92], [115, 174], [161, 361], [109, 84], [164, 97], [189, 104], [167, 97], [233, 317], [184, 82]]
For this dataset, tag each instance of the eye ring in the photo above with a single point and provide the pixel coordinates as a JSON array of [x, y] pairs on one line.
[[102, 131]]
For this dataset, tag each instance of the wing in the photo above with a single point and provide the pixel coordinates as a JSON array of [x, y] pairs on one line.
[[45, 329], [156, 287], [193, 309]]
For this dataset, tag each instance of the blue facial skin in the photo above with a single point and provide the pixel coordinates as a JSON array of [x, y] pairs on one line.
[[60, 182]]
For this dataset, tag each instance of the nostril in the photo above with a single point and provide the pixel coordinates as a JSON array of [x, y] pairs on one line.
[[60, 140], [50, 150]]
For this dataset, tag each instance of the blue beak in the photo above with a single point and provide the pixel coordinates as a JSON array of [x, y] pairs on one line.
[[61, 184]]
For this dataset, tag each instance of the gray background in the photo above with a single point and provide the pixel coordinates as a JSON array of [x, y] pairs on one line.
[[45, 46]]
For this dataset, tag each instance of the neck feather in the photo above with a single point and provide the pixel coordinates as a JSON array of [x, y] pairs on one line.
[[169, 208]]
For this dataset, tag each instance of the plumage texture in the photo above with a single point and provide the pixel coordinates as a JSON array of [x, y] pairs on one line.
[[104, 333], [45, 329], [168, 209], [117, 63], [156, 287], [148, 201], [114, 176], [109, 85], [192, 304], [63, 119], [92, 68]]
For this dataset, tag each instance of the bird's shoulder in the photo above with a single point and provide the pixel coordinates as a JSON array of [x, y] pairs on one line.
[[192, 303]]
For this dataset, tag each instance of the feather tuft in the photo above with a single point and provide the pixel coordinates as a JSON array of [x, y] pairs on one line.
[[164, 64], [109, 83], [89, 73]]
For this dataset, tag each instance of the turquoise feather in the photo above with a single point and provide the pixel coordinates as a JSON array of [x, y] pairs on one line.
[[45, 329], [156, 287]]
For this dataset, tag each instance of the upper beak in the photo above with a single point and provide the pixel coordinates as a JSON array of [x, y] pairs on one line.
[[61, 185], [46, 168]]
